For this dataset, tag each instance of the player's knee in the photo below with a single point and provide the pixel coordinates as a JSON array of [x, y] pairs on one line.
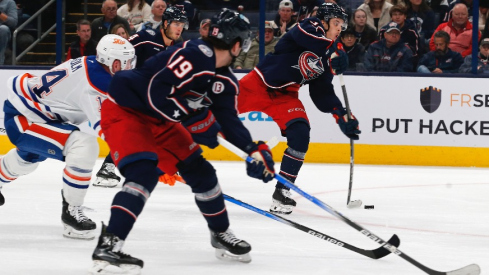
[[81, 150], [143, 172], [13, 166], [298, 136], [199, 174]]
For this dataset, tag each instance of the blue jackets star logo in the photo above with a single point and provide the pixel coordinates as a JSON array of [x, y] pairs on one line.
[[196, 100], [310, 65], [176, 113]]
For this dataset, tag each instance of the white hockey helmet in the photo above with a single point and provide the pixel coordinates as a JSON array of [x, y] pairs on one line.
[[112, 47]]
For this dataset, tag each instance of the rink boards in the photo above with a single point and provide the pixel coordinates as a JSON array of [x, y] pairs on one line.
[[436, 121]]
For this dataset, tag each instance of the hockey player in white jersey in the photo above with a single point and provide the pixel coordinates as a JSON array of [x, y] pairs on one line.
[[42, 115]]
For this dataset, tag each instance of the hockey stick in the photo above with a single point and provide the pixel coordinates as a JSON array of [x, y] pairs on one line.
[[349, 203], [472, 269], [374, 254]]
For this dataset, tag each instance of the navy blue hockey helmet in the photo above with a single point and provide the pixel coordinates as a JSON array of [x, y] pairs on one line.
[[227, 25], [175, 14], [328, 11]]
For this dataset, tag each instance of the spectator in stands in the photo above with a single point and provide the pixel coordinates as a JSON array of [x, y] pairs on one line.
[[121, 31], [158, 7], [451, 4], [363, 32], [482, 62], [440, 7], [389, 54], [483, 13], [377, 13], [187, 6], [353, 49], [442, 59], [204, 27], [304, 8], [423, 18], [409, 35], [83, 44], [8, 21], [103, 25], [460, 30], [248, 60], [135, 12], [283, 21]]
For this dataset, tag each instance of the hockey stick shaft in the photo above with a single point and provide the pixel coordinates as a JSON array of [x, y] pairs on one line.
[[374, 254], [352, 147], [468, 270]]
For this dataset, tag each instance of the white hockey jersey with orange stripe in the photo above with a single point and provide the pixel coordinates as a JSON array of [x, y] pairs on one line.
[[71, 92]]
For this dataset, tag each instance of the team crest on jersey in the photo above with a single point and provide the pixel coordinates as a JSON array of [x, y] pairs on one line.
[[197, 100], [310, 65], [150, 31], [206, 50]]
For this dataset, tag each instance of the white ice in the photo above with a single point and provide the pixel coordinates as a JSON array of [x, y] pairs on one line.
[[440, 214]]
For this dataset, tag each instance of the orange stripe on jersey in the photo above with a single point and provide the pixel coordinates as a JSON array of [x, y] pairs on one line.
[[76, 177], [59, 137], [26, 95], [23, 123], [88, 77]]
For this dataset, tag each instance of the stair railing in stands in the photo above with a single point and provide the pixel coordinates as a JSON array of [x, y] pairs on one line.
[[40, 35]]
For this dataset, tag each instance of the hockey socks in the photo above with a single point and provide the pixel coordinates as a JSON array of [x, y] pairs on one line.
[[129, 202], [212, 207], [291, 164]]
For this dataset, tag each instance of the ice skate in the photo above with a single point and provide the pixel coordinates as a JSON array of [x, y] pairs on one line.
[[230, 248], [109, 259], [282, 202], [2, 198], [76, 224], [106, 176]]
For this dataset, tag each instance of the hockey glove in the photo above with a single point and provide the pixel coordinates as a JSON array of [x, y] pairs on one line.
[[203, 127], [339, 62], [262, 166], [170, 180], [348, 127]]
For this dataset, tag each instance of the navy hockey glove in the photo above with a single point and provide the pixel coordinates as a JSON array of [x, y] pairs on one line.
[[203, 127], [339, 60], [262, 167], [348, 127]]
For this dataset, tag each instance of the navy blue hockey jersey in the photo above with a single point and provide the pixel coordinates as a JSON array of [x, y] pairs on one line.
[[179, 81], [147, 43], [301, 56]]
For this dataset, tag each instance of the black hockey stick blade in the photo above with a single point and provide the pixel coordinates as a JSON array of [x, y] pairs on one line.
[[377, 253]]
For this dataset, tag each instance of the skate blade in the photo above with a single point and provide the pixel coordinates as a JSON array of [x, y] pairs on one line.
[[70, 232], [279, 208], [354, 204], [103, 267], [109, 183], [223, 254]]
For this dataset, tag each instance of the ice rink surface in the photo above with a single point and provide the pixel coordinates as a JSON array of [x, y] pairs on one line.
[[440, 214]]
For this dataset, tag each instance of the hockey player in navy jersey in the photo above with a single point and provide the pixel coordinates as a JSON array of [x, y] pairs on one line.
[[41, 118], [302, 56], [148, 42], [155, 118]]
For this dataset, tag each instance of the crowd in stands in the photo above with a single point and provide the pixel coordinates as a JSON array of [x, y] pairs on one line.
[[383, 35]]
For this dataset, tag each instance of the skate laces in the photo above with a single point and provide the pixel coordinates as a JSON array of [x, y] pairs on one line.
[[77, 213], [110, 167], [229, 237], [286, 193]]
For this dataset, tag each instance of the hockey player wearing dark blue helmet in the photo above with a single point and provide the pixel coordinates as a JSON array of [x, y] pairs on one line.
[[227, 28], [179, 98], [302, 56]]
